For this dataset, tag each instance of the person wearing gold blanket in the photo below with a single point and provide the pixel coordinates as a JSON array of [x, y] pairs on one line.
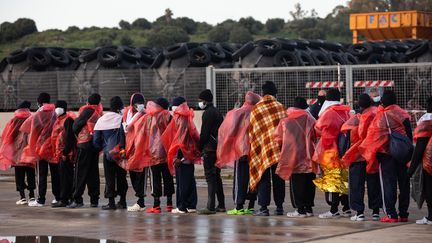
[[334, 181]]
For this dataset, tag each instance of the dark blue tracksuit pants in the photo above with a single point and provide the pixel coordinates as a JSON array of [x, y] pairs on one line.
[[357, 179]]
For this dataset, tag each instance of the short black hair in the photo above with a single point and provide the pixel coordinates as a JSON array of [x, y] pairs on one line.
[[333, 95], [43, 98], [61, 104], [364, 101], [388, 98], [429, 105], [300, 102], [269, 88], [116, 104], [94, 99]]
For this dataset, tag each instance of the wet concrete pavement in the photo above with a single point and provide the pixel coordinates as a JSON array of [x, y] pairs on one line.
[[140, 227]]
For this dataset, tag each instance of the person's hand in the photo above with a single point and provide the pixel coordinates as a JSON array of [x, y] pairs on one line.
[[177, 162], [122, 154]]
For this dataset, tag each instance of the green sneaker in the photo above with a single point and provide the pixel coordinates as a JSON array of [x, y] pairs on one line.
[[249, 211], [236, 212]]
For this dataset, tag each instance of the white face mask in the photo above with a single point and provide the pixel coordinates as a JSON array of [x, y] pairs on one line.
[[377, 98], [59, 111], [140, 107], [201, 105], [173, 108]]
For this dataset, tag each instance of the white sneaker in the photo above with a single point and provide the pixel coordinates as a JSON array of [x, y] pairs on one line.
[[35, 204], [329, 215], [296, 214], [22, 201], [424, 221], [375, 217], [177, 211], [309, 214], [359, 217], [135, 208], [346, 214], [191, 210], [54, 201]]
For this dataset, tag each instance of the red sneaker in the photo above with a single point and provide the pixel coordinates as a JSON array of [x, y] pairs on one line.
[[387, 219], [403, 220], [154, 210], [169, 208]]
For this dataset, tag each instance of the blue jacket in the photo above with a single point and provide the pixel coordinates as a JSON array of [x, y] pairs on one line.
[[106, 140]]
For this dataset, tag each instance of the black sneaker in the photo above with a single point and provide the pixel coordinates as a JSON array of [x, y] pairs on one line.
[[121, 205], [109, 207], [59, 205], [94, 205], [261, 212], [206, 211], [279, 211], [75, 205], [220, 210]]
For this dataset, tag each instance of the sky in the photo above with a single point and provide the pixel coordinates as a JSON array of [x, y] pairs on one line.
[[60, 14]]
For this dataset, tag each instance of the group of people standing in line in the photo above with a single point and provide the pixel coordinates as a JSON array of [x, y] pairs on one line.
[[326, 145]]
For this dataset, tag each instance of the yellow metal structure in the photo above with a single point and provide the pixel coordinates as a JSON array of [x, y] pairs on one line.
[[391, 25]]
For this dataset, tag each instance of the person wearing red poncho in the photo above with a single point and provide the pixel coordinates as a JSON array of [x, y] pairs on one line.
[[138, 175], [423, 156], [87, 162], [39, 149], [156, 120], [233, 150], [356, 129], [375, 150], [334, 179], [12, 144], [296, 135], [64, 146], [180, 140]]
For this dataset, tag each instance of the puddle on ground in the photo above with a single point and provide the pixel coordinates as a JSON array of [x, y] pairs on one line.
[[52, 239]]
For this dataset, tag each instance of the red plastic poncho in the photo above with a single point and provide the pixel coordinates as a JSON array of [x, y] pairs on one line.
[[352, 126], [328, 128], [353, 153], [424, 129], [86, 133], [58, 136], [39, 127], [377, 138], [13, 141], [181, 134], [296, 136], [233, 136], [147, 147]]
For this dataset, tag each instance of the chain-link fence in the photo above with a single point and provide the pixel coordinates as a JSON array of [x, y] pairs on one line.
[[76, 86], [231, 85], [412, 83]]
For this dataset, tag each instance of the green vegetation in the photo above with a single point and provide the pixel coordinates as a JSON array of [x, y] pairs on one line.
[[167, 30]]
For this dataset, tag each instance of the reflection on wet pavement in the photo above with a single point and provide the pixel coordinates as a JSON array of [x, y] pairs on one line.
[[51, 239]]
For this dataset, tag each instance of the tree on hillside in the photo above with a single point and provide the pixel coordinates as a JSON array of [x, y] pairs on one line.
[[25, 26], [141, 23], [166, 35], [254, 26], [125, 25], [7, 32], [168, 15], [219, 33], [203, 27], [298, 12], [274, 25], [240, 34], [125, 40], [104, 41], [72, 29], [187, 24]]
